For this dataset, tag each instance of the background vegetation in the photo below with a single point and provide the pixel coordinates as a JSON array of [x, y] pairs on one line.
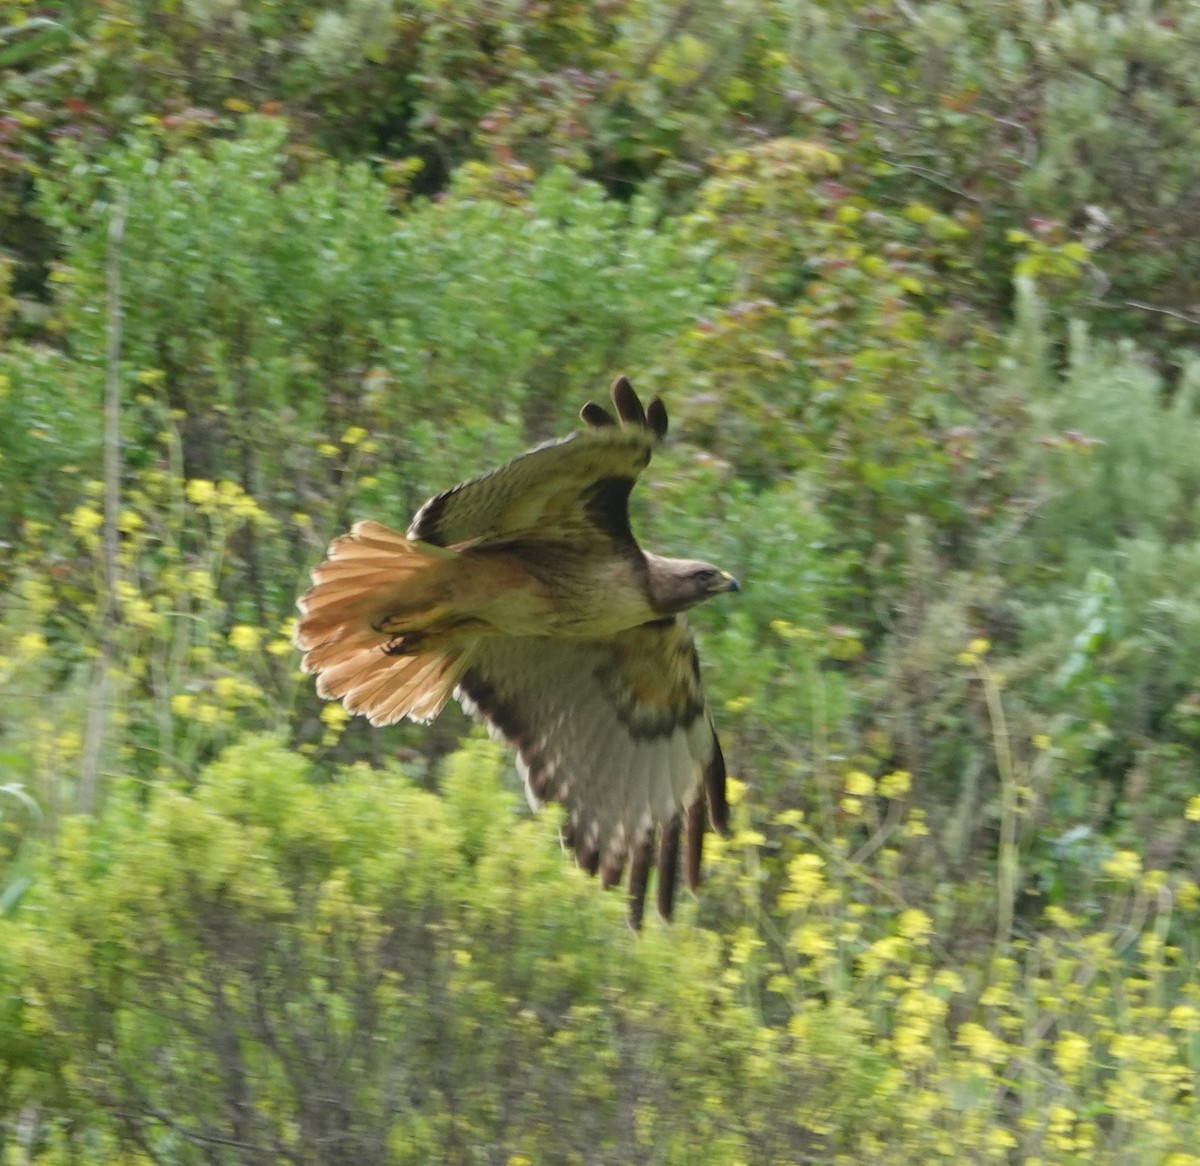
[[918, 283]]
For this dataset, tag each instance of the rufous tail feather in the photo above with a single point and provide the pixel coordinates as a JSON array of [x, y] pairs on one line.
[[374, 577]]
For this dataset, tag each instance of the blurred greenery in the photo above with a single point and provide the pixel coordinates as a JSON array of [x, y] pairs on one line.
[[918, 284]]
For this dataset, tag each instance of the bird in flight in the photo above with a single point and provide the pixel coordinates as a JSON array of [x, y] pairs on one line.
[[523, 593]]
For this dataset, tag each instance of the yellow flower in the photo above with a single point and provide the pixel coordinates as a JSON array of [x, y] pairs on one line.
[[917, 212], [182, 704], [1001, 1139], [1041, 741], [1059, 916], [130, 521], [914, 925], [85, 519], [915, 826], [1071, 1053], [881, 953], [806, 882], [70, 742], [200, 492], [227, 688], [949, 981], [1154, 881], [334, 716], [1184, 1016], [995, 996], [1192, 813], [1124, 866], [31, 645], [745, 944], [895, 784], [199, 583], [1187, 895], [910, 1044], [245, 638], [859, 784], [140, 613], [353, 435], [975, 651], [812, 940]]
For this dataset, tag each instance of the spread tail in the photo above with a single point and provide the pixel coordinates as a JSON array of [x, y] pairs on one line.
[[363, 621]]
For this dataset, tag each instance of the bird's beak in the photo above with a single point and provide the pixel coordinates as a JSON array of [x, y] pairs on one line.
[[728, 583]]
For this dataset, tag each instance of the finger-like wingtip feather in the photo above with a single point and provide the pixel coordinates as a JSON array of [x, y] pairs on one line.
[[668, 866], [656, 418], [639, 875], [693, 843], [612, 866], [587, 856], [629, 408], [714, 786], [596, 416]]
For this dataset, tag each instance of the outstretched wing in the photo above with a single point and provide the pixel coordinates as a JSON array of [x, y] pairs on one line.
[[619, 732], [572, 490]]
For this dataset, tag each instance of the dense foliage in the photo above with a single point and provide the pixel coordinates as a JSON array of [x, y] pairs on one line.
[[918, 285]]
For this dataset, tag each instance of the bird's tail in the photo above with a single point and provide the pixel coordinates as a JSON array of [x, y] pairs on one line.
[[365, 627]]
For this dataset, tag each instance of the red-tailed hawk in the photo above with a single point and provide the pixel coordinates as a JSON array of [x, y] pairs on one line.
[[523, 593]]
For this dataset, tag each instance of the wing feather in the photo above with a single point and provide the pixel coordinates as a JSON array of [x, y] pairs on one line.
[[714, 783], [681, 766], [668, 867], [693, 841], [619, 733], [596, 416], [550, 493], [640, 864], [629, 407]]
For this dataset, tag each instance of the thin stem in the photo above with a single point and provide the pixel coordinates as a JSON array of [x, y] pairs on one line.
[[97, 702], [1007, 867]]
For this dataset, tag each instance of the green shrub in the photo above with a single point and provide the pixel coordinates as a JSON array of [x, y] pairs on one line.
[[844, 350], [362, 971], [258, 303], [49, 435]]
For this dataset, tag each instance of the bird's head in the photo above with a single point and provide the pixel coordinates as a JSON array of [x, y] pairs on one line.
[[677, 584]]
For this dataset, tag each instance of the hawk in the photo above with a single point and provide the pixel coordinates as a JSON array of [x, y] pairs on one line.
[[523, 593]]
